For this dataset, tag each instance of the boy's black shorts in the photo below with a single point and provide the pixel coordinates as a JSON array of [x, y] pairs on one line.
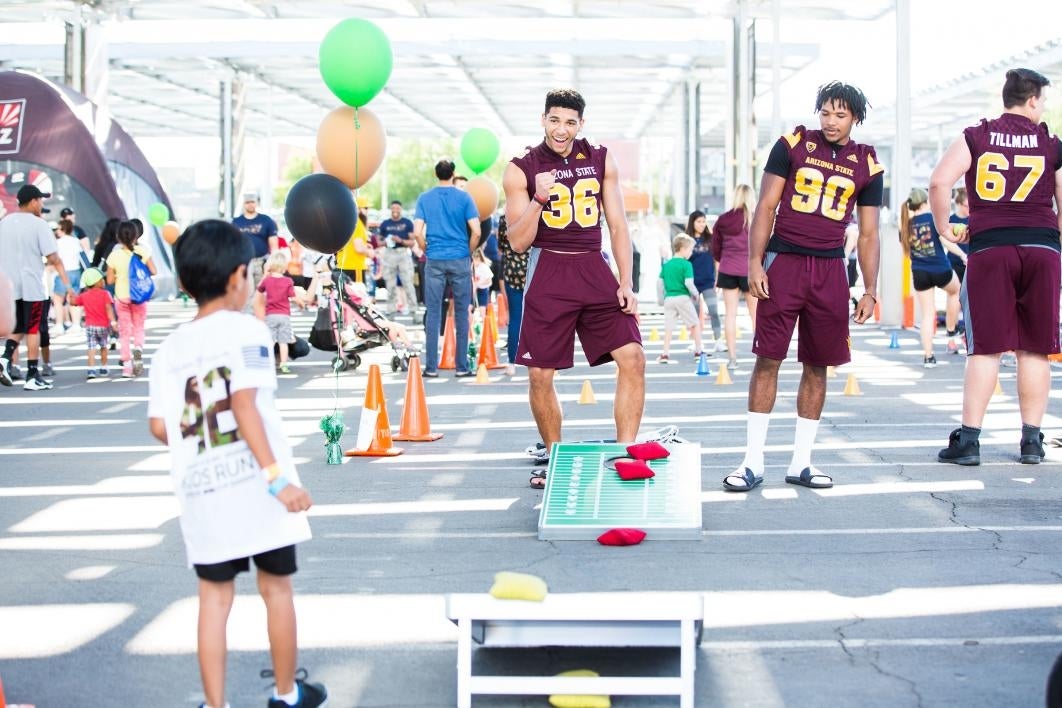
[[279, 561]]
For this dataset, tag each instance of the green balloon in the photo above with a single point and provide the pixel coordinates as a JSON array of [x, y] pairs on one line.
[[355, 61], [158, 214], [479, 149]]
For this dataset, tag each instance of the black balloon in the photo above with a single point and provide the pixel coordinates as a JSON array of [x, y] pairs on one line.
[[320, 213]]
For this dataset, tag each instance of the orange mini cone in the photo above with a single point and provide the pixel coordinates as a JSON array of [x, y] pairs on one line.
[[999, 389], [503, 308], [851, 386], [487, 355], [482, 376], [380, 443], [586, 396], [723, 377], [415, 425], [448, 358]]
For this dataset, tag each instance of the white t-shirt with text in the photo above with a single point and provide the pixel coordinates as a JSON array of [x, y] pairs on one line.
[[227, 511]]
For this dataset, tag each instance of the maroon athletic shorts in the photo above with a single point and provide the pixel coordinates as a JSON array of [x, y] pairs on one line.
[[815, 292], [569, 294], [1010, 300]]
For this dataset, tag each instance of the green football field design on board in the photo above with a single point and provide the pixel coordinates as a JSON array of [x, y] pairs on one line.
[[584, 499]]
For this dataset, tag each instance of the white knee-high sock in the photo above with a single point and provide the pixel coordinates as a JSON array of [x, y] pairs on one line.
[[803, 441], [755, 439]]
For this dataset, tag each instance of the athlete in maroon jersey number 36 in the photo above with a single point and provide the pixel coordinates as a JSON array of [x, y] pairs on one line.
[[555, 195], [1010, 292], [813, 182]]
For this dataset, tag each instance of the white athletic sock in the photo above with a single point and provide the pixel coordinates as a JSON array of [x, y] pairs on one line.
[[802, 444], [755, 439], [289, 698]]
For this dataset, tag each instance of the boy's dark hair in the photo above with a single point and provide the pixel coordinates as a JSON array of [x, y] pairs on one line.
[[845, 94], [127, 234], [565, 98], [444, 169], [395, 201], [207, 254], [1021, 85]]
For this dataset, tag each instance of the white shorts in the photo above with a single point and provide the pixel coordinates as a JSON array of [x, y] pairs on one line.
[[679, 307]]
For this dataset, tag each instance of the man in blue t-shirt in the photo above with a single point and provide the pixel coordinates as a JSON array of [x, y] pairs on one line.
[[397, 258], [261, 230], [446, 226]]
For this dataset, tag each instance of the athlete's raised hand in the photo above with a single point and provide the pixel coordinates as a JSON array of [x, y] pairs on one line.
[[758, 281], [544, 182]]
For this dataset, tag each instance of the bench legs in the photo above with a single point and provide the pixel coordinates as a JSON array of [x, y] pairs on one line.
[[688, 662], [464, 663]]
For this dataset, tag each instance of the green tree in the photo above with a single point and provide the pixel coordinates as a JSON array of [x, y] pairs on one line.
[[411, 170], [1053, 118], [299, 165]]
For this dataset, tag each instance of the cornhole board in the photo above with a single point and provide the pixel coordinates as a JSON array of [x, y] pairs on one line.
[[595, 619], [583, 498]]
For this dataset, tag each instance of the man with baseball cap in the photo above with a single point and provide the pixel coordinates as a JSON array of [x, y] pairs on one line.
[[25, 240], [261, 230], [79, 233]]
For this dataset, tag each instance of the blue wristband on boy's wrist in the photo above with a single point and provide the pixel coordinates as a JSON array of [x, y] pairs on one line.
[[278, 484]]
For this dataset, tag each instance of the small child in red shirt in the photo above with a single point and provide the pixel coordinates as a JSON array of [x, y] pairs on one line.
[[277, 291], [100, 318]]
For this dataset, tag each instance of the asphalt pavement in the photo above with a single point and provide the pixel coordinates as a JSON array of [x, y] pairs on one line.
[[910, 583]]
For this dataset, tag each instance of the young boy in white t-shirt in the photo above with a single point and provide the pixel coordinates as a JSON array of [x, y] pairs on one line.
[[211, 401]]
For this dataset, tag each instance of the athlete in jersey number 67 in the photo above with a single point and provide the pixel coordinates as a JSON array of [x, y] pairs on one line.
[[555, 193], [1013, 169]]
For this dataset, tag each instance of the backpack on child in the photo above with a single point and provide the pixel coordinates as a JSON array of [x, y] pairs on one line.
[[141, 286]]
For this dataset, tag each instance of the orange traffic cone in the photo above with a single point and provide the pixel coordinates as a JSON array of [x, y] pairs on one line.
[[448, 359], [491, 320], [482, 377], [415, 425], [3, 701], [487, 355], [503, 308], [723, 378], [380, 445]]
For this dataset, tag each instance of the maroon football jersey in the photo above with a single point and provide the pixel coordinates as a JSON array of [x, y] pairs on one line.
[[1011, 180], [572, 219], [822, 188]]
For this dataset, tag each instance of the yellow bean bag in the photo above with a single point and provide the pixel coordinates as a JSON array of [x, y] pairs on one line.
[[518, 586], [566, 701]]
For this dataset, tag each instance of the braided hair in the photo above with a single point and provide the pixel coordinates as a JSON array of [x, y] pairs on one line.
[[845, 94]]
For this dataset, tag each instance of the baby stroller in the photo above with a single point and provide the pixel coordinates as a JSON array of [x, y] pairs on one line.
[[346, 325]]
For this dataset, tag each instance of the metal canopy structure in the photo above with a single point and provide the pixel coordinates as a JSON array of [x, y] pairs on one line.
[[457, 62]]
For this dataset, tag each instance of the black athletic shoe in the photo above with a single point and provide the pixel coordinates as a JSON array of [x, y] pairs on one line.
[[958, 454], [311, 695], [1032, 451], [464, 374]]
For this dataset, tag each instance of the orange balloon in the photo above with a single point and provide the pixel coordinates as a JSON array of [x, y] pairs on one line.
[[338, 141], [170, 232], [484, 194]]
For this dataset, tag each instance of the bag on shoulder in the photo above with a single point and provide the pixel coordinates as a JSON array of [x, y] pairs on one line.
[[141, 286]]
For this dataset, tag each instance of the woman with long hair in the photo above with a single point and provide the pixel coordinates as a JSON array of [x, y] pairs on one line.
[[731, 248], [930, 269], [106, 241], [704, 267]]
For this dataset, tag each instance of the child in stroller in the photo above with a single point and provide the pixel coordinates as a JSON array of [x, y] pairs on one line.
[[348, 324]]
